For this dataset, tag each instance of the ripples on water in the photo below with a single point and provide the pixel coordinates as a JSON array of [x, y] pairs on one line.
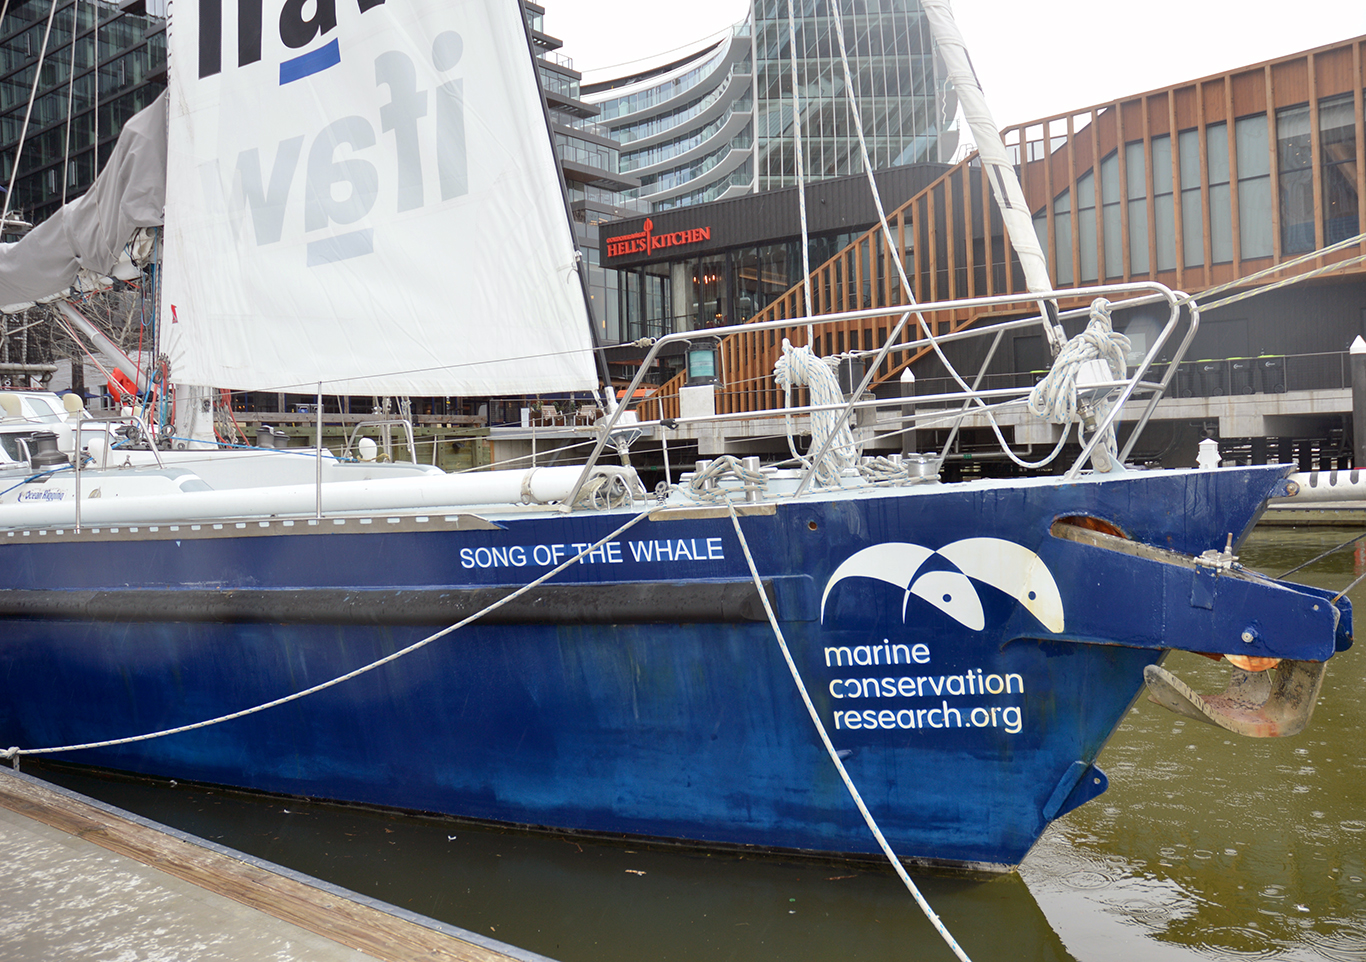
[[1206, 847], [1211, 846]]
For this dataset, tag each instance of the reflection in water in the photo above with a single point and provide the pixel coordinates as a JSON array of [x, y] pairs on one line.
[[1207, 846], [598, 902]]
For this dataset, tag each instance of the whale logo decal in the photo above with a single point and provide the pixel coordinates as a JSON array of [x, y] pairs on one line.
[[1009, 567]]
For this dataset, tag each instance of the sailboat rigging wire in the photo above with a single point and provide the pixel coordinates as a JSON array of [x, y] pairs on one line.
[[28, 111], [1356, 581], [12, 754], [295, 387], [61, 322], [900, 267], [1320, 557], [797, 151], [1278, 268], [991, 420], [834, 755], [1005, 184], [1002, 202], [95, 58], [70, 91], [1287, 282], [882, 218]]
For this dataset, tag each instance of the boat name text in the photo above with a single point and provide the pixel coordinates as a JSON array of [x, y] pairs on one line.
[[669, 550]]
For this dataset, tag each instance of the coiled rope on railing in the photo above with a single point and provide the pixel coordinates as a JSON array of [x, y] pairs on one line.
[[887, 850], [800, 366], [12, 754], [1055, 398]]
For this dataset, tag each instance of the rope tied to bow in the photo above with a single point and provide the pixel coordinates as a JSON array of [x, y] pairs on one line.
[[1056, 398]]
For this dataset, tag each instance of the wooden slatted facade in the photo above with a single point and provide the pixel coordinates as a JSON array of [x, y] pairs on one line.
[[1194, 185]]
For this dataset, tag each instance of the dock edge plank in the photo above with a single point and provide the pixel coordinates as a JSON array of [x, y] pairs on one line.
[[384, 932]]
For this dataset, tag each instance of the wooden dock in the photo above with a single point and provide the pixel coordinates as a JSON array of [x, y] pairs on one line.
[[85, 879], [1334, 514]]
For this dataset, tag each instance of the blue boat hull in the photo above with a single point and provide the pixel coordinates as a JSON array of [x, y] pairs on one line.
[[581, 710]]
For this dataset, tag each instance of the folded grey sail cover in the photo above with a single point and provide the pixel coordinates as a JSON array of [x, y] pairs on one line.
[[90, 232]]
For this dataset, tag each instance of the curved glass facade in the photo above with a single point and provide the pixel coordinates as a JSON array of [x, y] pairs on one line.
[[679, 124], [677, 84], [689, 125]]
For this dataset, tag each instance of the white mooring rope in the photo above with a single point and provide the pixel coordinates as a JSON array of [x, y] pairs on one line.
[[705, 485], [12, 754], [834, 755]]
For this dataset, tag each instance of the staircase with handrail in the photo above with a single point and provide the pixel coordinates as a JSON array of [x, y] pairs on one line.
[[954, 226]]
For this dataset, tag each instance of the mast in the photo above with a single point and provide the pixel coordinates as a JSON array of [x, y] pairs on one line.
[[1005, 185]]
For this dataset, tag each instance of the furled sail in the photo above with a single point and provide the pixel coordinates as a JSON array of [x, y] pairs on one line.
[[1005, 184], [91, 232], [364, 194]]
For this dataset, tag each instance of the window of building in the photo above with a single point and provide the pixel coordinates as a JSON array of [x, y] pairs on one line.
[[1254, 187], [712, 291], [629, 306], [657, 297], [1164, 211], [1192, 217], [1086, 226], [1337, 141], [748, 295], [1296, 179], [1137, 195], [1220, 194], [779, 270], [1062, 238], [1110, 216]]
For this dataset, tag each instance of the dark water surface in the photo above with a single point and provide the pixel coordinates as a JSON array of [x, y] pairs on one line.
[[1206, 846]]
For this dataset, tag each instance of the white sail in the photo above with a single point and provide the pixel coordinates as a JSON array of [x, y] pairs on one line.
[[366, 198]]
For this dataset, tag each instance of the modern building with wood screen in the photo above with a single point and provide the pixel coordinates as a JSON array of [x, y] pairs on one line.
[[1198, 186]]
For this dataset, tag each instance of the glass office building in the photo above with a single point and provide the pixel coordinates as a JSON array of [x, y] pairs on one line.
[[85, 68]]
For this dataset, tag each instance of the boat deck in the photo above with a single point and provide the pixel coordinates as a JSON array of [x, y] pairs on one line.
[[83, 878]]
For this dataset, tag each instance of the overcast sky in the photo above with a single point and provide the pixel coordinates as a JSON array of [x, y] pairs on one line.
[[1032, 58]]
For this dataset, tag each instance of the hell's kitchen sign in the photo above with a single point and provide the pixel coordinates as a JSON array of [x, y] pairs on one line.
[[647, 241]]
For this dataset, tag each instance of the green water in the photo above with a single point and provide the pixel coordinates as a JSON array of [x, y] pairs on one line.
[[1210, 846], [1206, 846]]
